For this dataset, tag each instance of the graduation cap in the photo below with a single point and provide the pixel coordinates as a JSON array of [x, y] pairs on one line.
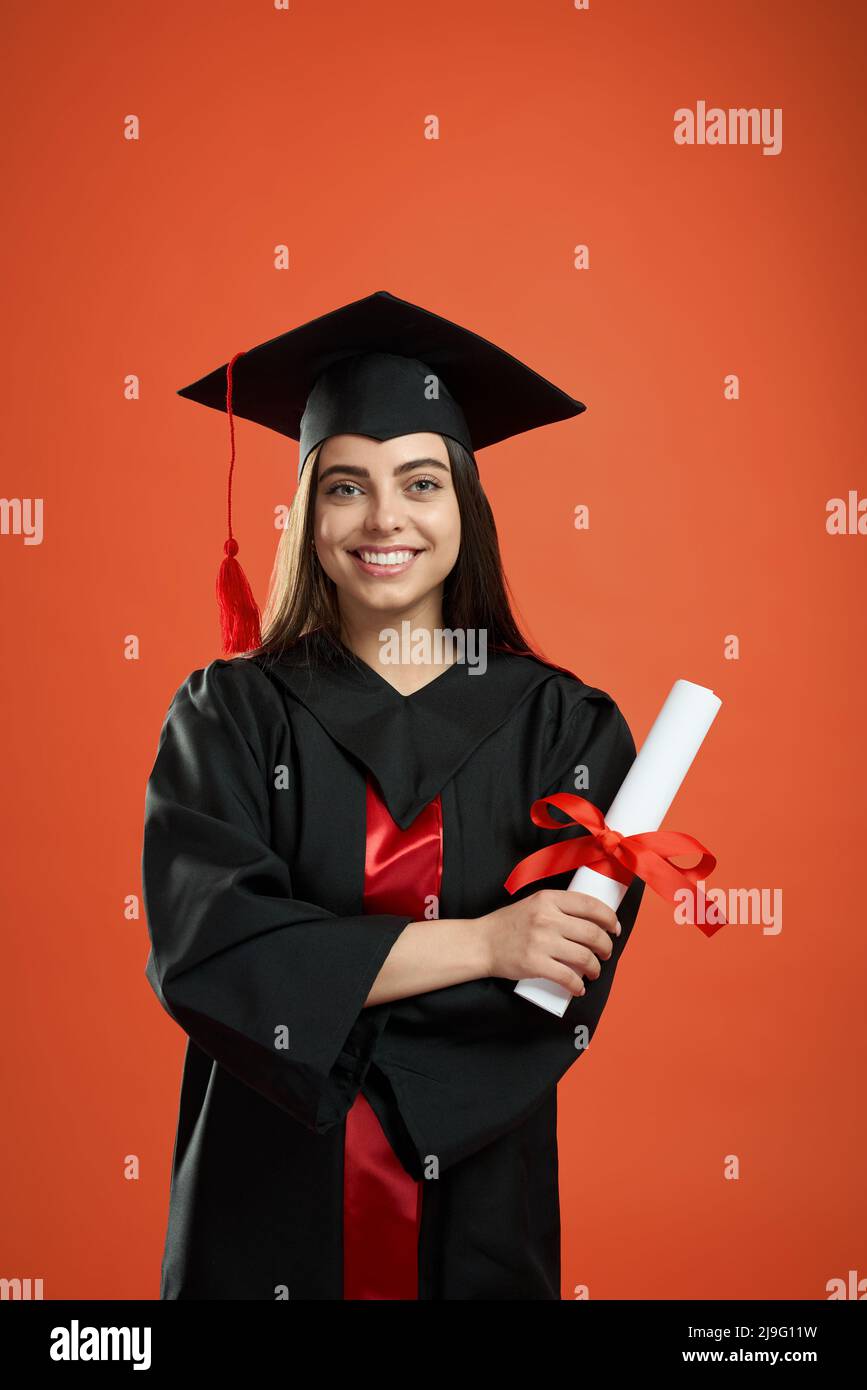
[[381, 367]]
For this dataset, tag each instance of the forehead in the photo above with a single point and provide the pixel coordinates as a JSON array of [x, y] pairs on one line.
[[368, 452]]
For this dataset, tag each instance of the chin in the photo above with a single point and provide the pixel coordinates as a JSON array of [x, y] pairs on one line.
[[384, 599]]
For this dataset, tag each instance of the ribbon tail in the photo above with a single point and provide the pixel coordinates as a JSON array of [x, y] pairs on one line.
[[553, 859], [570, 854]]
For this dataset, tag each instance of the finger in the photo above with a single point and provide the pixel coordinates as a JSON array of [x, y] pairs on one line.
[[578, 958], [585, 905], [561, 974], [578, 929]]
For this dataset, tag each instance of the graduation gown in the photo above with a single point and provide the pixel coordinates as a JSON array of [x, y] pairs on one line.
[[297, 818]]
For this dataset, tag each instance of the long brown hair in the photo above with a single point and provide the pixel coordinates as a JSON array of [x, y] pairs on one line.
[[302, 599]]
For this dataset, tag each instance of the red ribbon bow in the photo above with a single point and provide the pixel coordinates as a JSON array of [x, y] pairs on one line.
[[621, 857]]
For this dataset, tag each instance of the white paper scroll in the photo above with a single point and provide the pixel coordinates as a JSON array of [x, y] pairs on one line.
[[648, 790]]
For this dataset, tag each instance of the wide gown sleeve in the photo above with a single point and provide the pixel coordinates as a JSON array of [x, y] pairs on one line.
[[271, 987], [470, 1062]]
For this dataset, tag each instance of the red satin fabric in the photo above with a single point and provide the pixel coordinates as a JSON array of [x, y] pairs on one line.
[[621, 857], [381, 1202]]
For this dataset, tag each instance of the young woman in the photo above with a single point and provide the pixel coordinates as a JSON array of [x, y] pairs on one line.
[[368, 1110]]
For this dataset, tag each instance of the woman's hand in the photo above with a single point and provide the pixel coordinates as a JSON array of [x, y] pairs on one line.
[[554, 934]]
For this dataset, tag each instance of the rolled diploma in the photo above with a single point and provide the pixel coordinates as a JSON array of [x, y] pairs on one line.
[[648, 790]]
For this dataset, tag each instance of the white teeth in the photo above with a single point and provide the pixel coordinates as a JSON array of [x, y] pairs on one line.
[[394, 557]]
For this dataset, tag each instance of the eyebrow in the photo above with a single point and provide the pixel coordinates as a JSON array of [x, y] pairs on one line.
[[356, 472]]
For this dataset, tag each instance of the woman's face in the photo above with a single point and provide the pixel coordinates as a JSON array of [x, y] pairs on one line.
[[386, 523]]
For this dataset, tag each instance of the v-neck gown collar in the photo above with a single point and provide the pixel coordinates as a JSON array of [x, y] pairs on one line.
[[412, 744]]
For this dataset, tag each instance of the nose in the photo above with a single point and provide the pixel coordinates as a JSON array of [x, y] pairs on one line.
[[385, 511]]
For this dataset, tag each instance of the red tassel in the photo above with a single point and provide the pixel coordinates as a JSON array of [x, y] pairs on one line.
[[239, 612], [240, 622]]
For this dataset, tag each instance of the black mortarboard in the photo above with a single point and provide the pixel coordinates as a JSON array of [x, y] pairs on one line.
[[382, 367]]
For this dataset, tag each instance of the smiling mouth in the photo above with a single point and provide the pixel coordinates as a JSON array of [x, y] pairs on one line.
[[384, 562]]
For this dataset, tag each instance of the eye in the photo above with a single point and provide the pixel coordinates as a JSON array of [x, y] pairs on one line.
[[422, 485], [335, 489], [434, 485]]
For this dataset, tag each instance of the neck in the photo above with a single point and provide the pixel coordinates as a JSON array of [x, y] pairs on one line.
[[400, 644]]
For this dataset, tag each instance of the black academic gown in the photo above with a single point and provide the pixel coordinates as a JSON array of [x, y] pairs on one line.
[[253, 871]]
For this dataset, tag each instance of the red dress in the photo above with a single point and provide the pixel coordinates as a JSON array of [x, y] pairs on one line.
[[382, 1203]]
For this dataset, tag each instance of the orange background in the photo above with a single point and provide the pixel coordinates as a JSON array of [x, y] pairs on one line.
[[155, 257]]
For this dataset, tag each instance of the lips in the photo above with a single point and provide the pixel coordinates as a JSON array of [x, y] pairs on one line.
[[386, 562]]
